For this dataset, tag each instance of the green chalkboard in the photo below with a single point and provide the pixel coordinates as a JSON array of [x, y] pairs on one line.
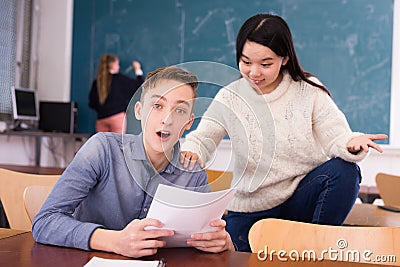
[[347, 44]]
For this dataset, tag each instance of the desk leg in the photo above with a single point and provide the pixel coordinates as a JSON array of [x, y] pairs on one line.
[[37, 150]]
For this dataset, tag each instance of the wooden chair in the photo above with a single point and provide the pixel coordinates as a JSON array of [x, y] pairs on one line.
[[219, 180], [34, 197], [269, 235], [389, 189], [12, 186]]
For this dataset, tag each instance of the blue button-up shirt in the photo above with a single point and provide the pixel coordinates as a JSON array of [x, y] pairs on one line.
[[108, 184]]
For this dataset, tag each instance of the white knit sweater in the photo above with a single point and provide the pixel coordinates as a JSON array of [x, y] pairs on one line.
[[277, 138]]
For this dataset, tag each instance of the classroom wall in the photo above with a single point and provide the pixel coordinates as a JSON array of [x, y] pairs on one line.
[[54, 49], [54, 58], [53, 25], [352, 41]]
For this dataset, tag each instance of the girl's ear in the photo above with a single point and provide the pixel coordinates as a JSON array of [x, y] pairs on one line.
[[138, 111], [285, 60]]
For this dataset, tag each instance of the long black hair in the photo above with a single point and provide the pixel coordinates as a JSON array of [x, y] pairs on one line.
[[273, 32]]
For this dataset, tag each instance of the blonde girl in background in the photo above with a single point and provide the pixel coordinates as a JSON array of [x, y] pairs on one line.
[[111, 92]]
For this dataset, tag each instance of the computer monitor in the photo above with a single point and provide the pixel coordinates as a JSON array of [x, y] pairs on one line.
[[25, 104], [58, 116]]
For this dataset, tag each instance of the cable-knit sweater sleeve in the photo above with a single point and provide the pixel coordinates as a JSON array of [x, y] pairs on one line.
[[332, 129], [210, 131]]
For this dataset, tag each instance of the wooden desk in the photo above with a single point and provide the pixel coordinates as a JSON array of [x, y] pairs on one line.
[[4, 232], [32, 169], [371, 215], [38, 135], [22, 251]]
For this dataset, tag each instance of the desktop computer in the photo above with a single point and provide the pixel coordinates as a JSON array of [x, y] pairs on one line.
[[58, 116]]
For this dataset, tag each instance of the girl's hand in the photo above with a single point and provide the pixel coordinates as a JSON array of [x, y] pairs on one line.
[[189, 159], [364, 142]]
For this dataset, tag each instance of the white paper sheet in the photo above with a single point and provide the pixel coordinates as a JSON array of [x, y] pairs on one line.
[[187, 212], [100, 262]]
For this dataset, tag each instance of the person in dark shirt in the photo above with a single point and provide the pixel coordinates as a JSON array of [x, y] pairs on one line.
[[111, 92]]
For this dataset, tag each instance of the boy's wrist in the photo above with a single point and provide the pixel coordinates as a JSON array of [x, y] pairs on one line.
[[103, 240]]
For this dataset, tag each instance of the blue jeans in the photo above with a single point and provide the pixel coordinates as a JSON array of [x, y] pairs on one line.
[[324, 196]]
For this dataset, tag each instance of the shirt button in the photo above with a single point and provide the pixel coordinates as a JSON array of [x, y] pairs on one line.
[[145, 209]]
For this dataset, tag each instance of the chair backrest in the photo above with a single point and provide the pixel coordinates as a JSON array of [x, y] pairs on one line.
[[306, 241], [12, 186], [219, 180], [34, 197], [389, 189]]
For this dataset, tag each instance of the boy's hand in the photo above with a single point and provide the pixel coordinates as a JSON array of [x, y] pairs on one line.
[[189, 159], [217, 241], [363, 142], [133, 240]]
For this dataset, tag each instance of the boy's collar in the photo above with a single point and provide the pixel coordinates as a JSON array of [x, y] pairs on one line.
[[171, 168], [139, 153], [137, 148]]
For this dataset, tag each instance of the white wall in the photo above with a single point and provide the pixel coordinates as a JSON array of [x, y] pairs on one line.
[[395, 93], [52, 59], [54, 49], [20, 150]]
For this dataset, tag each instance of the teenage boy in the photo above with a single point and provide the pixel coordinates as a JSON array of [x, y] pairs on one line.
[[101, 200]]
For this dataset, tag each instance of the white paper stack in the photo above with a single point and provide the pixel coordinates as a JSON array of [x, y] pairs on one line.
[[187, 212]]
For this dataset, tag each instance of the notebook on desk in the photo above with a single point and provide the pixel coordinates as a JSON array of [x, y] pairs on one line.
[[389, 188]]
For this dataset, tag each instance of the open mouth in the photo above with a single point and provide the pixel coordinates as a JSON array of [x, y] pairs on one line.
[[163, 134]]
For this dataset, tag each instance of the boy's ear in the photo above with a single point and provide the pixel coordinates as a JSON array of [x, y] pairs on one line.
[[190, 122], [138, 111]]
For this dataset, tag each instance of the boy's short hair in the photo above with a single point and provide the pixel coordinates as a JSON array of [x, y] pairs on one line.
[[169, 73]]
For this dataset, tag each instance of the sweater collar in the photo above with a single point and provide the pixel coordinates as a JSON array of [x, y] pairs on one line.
[[281, 89]]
